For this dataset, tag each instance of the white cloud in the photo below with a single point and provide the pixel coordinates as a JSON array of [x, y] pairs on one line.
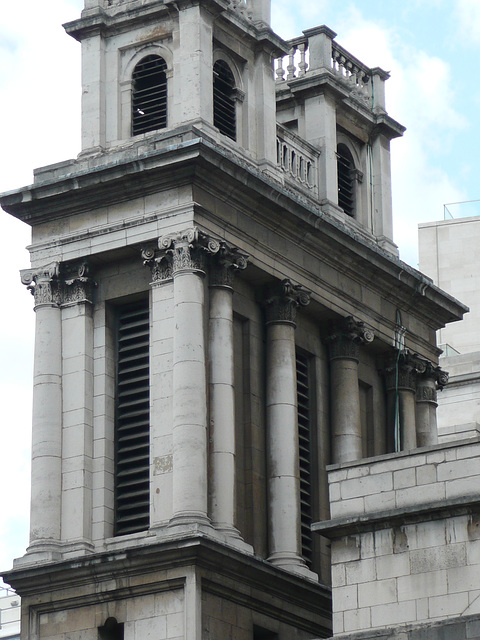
[[420, 96], [468, 14]]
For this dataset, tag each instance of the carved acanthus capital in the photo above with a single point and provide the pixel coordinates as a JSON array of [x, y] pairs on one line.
[[43, 284], [59, 284], [402, 371], [283, 300], [430, 378], [224, 265], [188, 249], [77, 284], [345, 341], [160, 263]]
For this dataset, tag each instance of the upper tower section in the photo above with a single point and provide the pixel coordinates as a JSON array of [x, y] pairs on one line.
[[155, 65], [334, 102]]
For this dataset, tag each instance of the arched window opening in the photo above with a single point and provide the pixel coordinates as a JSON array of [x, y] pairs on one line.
[[149, 95], [346, 180], [224, 105]]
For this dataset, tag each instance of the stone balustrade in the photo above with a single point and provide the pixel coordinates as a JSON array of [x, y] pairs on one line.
[[316, 50], [297, 159]]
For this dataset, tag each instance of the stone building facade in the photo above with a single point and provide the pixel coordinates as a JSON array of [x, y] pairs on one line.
[[220, 314]]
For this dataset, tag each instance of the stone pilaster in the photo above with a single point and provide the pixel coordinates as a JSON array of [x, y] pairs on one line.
[[45, 514], [188, 250], [344, 344], [281, 307], [222, 398], [430, 378], [77, 404]]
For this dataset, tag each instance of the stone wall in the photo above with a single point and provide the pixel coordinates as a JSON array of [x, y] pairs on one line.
[[406, 537]]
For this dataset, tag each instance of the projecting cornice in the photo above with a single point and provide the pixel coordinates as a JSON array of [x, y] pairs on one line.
[[189, 156]]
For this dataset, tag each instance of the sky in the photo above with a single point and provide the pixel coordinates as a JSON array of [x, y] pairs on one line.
[[430, 47]]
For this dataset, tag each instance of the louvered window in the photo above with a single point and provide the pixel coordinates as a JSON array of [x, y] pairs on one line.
[[149, 95], [224, 104], [132, 424], [305, 453], [346, 180]]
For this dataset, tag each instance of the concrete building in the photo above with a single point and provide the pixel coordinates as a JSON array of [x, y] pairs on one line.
[[9, 615], [220, 314], [449, 253]]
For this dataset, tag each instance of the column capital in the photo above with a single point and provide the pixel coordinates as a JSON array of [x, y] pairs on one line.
[[282, 301], [402, 370], [76, 283], [347, 337], [181, 251], [188, 249], [58, 284], [430, 377], [224, 265]]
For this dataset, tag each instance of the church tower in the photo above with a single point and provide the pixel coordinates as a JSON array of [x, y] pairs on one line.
[[219, 306]]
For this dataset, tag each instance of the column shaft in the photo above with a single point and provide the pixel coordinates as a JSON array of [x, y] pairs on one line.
[[45, 512], [346, 419], [282, 446], [222, 410], [189, 400]]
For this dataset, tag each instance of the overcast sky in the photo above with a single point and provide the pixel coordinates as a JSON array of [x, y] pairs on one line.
[[431, 48]]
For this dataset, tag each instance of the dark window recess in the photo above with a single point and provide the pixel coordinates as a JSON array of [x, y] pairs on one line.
[[149, 95], [224, 105], [132, 424], [346, 180], [259, 633], [305, 446], [111, 630]]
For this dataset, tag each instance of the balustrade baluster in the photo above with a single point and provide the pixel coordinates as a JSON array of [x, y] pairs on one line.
[[302, 65], [280, 72], [291, 64]]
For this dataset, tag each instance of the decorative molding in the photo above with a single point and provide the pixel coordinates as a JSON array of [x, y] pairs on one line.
[[283, 300], [346, 340], [224, 265], [76, 283]]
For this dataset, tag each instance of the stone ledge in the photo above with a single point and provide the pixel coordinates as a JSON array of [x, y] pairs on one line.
[[461, 628], [396, 517]]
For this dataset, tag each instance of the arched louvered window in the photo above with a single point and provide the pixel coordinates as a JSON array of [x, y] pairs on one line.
[[132, 419], [149, 95], [346, 180], [224, 104]]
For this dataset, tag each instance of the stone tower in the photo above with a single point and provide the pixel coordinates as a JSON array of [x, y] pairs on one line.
[[220, 313]]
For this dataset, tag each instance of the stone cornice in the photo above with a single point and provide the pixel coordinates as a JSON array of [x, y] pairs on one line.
[[83, 574], [339, 527], [200, 160]]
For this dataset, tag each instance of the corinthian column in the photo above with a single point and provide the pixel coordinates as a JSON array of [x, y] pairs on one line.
[[45, 511], [429, 379], [345, 398], [282, 427], [190, 496], [222, 398]]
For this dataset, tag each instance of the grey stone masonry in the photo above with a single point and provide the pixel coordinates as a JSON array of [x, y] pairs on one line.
[[405, 533]]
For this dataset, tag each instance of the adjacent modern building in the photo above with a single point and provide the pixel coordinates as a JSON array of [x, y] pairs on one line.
[[449, 252], [9, 615], [221, 316]]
